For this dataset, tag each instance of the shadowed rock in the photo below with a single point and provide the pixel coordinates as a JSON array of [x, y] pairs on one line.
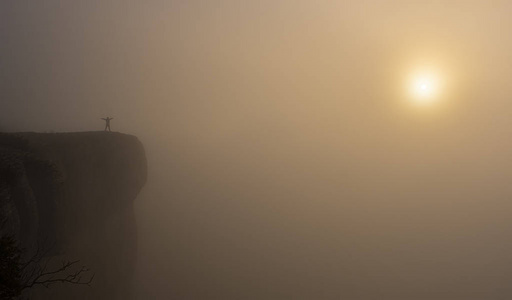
[[75, 191]]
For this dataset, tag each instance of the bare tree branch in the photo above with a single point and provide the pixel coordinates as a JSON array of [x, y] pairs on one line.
[[37, 272]]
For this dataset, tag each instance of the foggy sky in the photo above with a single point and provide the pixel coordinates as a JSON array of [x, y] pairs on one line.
[[285, 160]]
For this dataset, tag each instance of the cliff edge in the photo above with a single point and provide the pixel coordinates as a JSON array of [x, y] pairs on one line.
[[75, 192]]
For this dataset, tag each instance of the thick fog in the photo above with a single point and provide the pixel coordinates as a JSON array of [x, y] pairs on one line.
[[285, 160]]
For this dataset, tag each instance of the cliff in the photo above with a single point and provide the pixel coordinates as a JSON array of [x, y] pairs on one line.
[[75, 192]]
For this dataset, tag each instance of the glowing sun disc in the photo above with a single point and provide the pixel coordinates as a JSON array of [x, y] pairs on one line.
[[424, 87]]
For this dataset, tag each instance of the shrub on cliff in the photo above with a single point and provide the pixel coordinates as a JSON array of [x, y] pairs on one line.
[[10, 268]]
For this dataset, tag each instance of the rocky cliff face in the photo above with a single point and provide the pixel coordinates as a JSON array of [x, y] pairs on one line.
[[75, 192]]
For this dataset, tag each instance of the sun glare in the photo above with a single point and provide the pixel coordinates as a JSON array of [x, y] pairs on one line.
[[424, 87]]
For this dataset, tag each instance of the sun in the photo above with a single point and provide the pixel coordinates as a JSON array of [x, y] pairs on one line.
[[424, 87]]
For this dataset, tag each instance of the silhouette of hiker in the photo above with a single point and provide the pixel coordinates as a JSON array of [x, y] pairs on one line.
[[107, 123]]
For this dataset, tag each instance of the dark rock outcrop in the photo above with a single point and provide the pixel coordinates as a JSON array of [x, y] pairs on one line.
[[75, 191]]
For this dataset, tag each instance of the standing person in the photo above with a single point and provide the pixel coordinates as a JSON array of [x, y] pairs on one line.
[[107, 123]]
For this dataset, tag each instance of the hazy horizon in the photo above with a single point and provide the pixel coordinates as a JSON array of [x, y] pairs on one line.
[[286, 158]]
